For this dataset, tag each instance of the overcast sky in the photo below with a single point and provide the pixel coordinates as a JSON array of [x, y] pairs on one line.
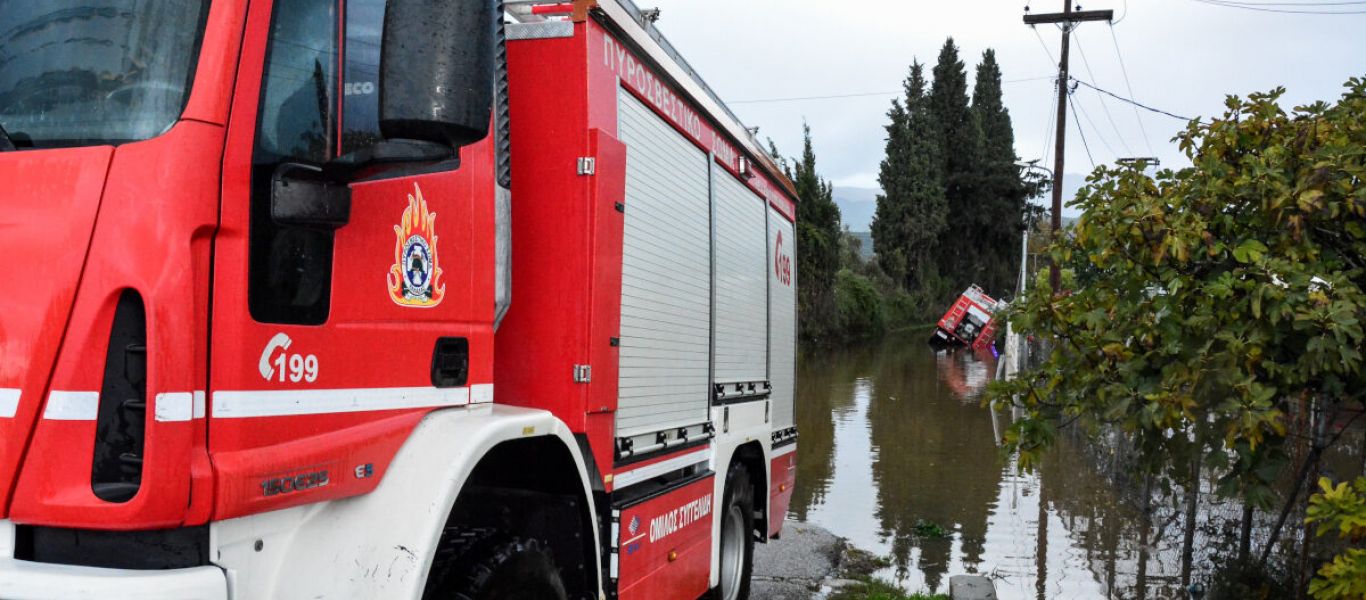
[[1182, 56]]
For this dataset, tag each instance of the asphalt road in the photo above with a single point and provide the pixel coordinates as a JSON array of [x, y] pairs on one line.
[[794, 567]]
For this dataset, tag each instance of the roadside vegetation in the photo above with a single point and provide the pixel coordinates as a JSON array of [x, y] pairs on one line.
[[1215, 318], [877, 589], [840, 297], [857, 570]]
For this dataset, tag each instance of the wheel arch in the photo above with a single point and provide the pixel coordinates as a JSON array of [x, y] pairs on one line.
[[528, 488], [750, 455]]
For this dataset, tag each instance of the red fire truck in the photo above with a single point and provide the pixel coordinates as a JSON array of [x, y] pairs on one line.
[[970, 322], [266, 264]]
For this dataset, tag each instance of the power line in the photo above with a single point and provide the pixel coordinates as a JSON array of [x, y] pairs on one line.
[[1082, 132], [1123, 16], [1051, 61], [859, 94], [1129, 86], [1103, 105], [1266, 8], [1305, 4], [800, 98], [1133, 102], [1099, 135], [1048, 131]]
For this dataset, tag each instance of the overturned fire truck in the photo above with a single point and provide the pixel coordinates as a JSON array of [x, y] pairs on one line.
[[383, 299], [970, 322]]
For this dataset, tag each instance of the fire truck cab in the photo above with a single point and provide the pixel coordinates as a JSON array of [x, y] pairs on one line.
[[383, 299]]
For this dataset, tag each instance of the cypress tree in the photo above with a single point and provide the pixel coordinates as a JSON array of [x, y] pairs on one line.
[[890, 219], [960, 139], [818, 236], [928, 214], [911, 211], [1001, 191]]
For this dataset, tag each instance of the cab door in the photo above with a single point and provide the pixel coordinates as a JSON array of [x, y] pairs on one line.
[[330, 343]]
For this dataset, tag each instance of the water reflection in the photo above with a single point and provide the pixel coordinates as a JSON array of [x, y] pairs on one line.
[[894, 439]]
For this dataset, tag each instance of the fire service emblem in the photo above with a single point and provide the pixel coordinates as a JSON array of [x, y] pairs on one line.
[[415, 278]]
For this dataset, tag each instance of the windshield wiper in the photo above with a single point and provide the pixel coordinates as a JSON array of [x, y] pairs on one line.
[[6, 144]]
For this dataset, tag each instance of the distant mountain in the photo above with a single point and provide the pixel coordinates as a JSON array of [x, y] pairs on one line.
[[857, 206], [865, 244]]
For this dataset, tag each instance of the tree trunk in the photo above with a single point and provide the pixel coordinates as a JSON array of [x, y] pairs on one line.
[[1301, 581], [1319, 427], [1192, 503], [1311, 461], [1245, 536], [1041, 546], [1145, 523]]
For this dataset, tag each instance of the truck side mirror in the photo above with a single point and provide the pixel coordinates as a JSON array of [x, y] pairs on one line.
[[303, 196], [437, 70]]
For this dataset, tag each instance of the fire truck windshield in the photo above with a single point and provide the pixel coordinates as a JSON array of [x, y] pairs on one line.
[[92, 72]]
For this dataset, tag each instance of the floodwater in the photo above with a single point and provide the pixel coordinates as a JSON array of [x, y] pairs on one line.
[[898, 454]]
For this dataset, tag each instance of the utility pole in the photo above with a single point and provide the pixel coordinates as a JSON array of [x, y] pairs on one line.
[[1069, 18]]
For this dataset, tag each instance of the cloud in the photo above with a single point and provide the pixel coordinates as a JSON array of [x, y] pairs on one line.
[[1180, 56]]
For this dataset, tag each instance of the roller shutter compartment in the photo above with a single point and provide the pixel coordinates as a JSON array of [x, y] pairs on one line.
[[741, 288], [782, 332], [665, 286]]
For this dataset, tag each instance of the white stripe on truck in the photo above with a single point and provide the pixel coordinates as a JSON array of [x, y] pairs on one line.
[[281, 403], [72, 406], [9, 402]]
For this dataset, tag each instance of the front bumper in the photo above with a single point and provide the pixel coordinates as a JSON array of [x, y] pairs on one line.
[[23, 580]]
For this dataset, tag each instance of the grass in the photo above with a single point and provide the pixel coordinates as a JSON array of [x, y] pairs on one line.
[[930, 530], [859, 566], [877, 589]]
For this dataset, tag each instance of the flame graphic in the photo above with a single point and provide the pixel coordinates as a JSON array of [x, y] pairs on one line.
[[419, 221]]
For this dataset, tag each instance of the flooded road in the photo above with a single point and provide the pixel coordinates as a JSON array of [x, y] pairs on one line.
[[898, 455]]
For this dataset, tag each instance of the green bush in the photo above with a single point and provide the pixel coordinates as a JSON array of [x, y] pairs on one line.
[[1219, 299], [902, 310], [1341, 509], [859, 306]]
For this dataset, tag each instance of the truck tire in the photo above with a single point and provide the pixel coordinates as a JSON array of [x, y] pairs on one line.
[[737, 537], [483, 564]]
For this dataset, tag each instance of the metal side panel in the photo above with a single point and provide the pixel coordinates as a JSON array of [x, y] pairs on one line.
[[741, 296], [782, 331], [665, 279]]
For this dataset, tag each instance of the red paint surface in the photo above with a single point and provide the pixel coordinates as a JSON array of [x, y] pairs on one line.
[[554, 213], [143, 214], [46, 223], [647, 573], [368, 340], [782, 476]]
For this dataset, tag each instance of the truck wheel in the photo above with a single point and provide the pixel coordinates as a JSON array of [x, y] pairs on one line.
[[737, 538], [482, 564]]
